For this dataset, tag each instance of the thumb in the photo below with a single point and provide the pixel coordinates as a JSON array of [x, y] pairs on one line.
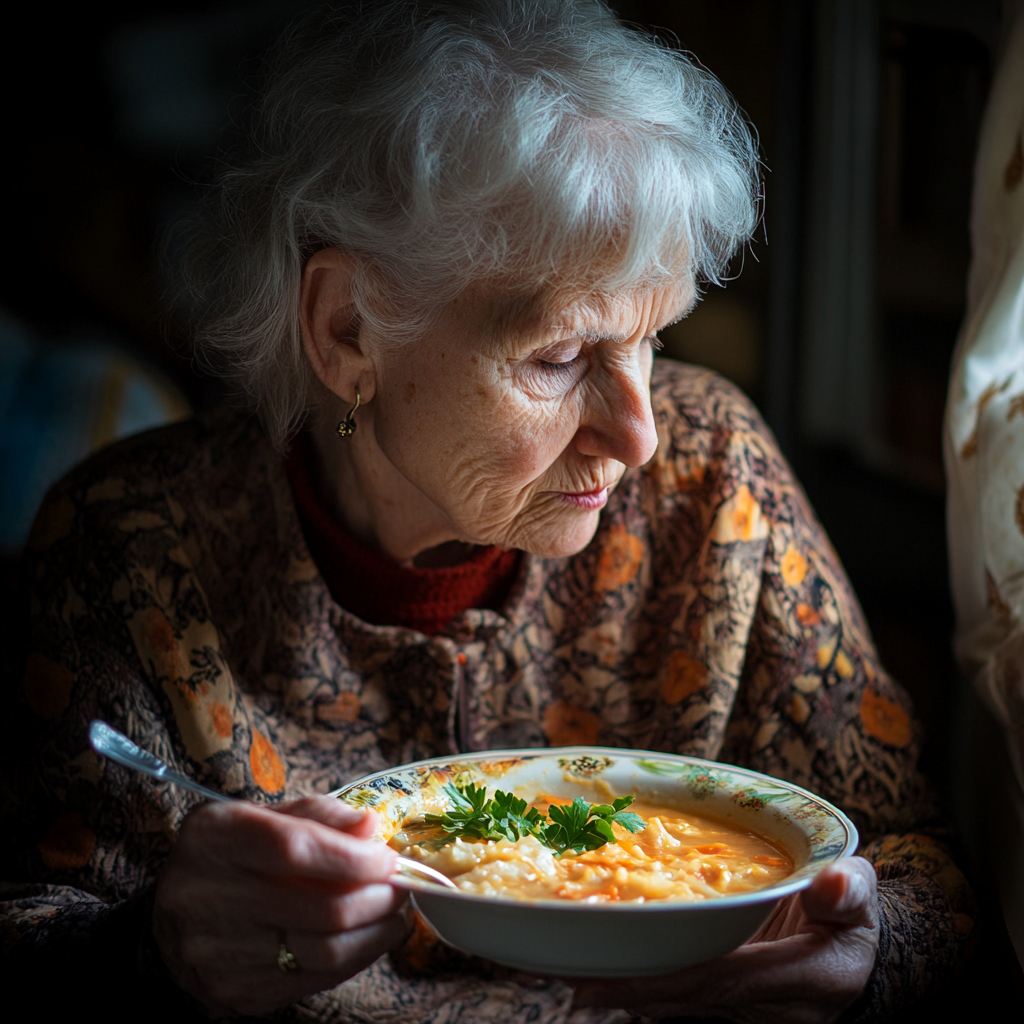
[[357, 821], [845, 893]]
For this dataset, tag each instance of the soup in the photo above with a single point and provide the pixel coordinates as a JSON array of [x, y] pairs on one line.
[[677, 856]]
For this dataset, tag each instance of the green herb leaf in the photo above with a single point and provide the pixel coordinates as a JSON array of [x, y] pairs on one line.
[[577, 826], [476, 817], [629, 821]]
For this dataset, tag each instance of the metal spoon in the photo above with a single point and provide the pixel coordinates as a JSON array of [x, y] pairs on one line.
[[115, 745]]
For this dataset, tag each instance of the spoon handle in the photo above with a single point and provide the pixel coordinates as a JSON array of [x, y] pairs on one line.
[[107, 741], [110, 743]]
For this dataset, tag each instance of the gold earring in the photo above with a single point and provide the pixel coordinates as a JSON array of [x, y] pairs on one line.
[[347, 427]]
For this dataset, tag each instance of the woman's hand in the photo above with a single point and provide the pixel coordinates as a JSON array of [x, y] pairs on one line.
[[808, 963], [244, 879]]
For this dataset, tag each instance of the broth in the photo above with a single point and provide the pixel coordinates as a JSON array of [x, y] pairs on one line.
[[678, 856]]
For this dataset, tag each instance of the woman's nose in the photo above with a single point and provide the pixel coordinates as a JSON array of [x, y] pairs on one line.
[[619, 421]]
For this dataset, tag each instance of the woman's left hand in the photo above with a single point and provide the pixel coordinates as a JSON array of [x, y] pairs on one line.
[[807, 964]]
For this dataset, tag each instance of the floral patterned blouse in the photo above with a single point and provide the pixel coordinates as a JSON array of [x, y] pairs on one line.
[[173, 595]]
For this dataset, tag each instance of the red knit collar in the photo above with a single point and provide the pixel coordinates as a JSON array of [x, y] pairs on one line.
[[381, 591]]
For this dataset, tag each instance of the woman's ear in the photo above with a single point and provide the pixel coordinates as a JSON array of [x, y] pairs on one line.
[[330, 326]]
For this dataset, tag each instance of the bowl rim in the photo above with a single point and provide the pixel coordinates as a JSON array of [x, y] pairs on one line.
[[781, 889]]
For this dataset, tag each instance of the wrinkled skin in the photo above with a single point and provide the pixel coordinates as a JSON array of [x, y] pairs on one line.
[[482, 432], [241, 877], [807, 964]]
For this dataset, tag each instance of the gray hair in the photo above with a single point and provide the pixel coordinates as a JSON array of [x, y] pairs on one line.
[[537, 144]]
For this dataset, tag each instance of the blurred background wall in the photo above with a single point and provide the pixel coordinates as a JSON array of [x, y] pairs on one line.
[[843, 316], [839, 321]]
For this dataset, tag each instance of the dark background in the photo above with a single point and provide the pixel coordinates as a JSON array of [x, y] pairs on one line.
[[113, 114]]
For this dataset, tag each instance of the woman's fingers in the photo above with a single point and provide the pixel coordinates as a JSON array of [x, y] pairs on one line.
[[811, 959], [242, 876], [313, 952], [243, 976], [844, 894], [283, 905], [311, 908], [786, 919], [328, 810], [350, 951], [256, 839], [799, 979]]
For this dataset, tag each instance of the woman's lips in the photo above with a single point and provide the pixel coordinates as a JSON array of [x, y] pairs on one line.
[[588, 500]]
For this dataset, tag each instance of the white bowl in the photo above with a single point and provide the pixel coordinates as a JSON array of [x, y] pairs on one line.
[[625, 939]]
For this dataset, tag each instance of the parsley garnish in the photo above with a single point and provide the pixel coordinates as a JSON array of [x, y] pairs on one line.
[[476, 817], [575, 827], [579, 826]]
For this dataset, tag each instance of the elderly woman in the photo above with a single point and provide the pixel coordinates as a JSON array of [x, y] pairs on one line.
[[471, 514]]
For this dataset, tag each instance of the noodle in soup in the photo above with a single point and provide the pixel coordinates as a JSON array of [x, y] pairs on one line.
[[678, 856]]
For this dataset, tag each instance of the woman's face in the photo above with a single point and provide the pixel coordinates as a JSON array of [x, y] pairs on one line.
[[517, 436]]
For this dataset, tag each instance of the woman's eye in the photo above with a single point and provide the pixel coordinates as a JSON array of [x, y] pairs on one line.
[[561, 365], [561, 360], [556, 370]]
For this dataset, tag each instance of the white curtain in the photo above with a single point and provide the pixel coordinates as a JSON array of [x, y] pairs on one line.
[[984, 454]]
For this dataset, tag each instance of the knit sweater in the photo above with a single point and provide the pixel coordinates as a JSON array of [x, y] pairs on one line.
[[173, 594]]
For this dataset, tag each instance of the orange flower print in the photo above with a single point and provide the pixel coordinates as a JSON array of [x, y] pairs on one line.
[[158, 635], [794, 567], [620, 559], [223, 724], [806, 615], [569, 726], [345, 708], [47, 685], [684, 676], [267, 770], [692, 477], [69, 844], [743, 513], [799, 709], [843, 665], [884, 719], [826, 652], [348, 706], [739, 519]]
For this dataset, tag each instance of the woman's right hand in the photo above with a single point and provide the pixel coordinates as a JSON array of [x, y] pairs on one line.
[[244, 879]]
